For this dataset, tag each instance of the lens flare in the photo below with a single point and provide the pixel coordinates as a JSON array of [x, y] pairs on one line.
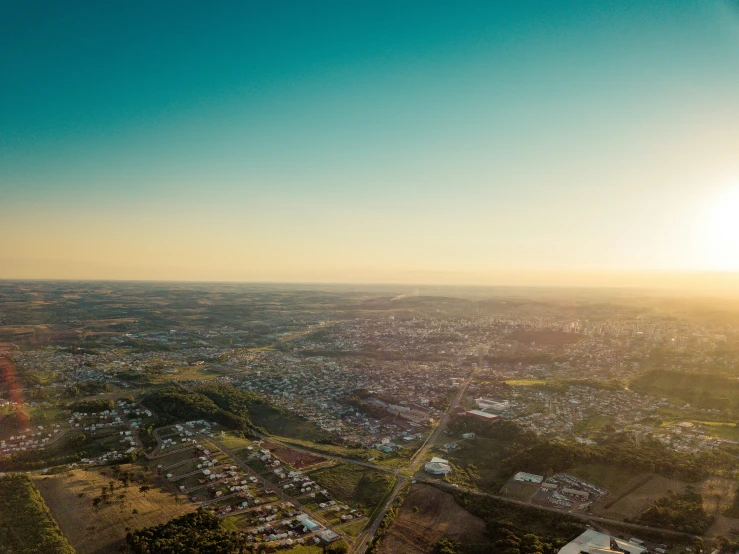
[[8, 378]]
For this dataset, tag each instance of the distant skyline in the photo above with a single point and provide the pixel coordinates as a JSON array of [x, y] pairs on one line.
[[487, 142]]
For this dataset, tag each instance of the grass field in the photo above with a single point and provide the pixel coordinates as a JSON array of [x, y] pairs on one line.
[[722, 430], [525, 382], [26, 524], [331, 449], [282, 424], [352, 529], [484, 455], [102, 530], [359, 486], [698, 389], [592, 424], [233, 442], [612, 478]]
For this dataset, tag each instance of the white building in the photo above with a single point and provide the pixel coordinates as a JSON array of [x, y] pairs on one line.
[[528, 477], [593, 542], [438, 466]]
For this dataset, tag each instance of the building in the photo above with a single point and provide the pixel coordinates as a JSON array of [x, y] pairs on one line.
[[327, 535], [528, 477], [310, 525], [583, 495], [438, 466], [593, 542], [479, 414], [494, 405]]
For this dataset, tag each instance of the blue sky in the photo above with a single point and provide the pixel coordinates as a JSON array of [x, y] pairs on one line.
[[365, 141]]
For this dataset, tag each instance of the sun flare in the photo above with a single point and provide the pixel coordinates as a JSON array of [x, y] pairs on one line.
[[721, 230]]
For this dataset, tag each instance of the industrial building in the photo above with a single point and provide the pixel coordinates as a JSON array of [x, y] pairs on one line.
[[479, 414], [528, 477], [593, 542]]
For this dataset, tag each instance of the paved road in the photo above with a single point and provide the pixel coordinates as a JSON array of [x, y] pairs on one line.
[[363, 540], [275, 487], [315, 452], [443, 422], [580, 516]]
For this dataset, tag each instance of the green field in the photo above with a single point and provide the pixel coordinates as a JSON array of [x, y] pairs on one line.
[[26, 525], [592, 424], [698, 389], [723, 430], [353, 529], [359, 486], [233, 442], [525, 382]]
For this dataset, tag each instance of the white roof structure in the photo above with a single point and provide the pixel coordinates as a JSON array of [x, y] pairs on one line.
[[438, 466], [593, 542], [528, 477]]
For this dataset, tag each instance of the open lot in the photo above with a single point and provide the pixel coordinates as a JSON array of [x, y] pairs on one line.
[[438, 515], [357, 486], [295, 458], [101, 530], [612, 478]]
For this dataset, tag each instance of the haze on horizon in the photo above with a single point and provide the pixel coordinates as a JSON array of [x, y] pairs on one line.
[[489, 142]]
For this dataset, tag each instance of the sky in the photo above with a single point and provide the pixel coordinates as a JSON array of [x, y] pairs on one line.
[[412, 142]]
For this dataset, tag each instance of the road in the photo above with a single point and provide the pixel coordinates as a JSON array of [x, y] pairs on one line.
[[443, 422], [582, 517], [362, 542]]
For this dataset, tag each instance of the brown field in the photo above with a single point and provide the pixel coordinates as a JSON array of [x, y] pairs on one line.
[[295, 458], [102, 530], [545, 338], [438, 516]]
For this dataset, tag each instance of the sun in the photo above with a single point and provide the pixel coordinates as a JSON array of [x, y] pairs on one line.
[[721, 230]]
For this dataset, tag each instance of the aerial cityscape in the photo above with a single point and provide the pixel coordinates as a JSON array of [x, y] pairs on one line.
[[389, 277]]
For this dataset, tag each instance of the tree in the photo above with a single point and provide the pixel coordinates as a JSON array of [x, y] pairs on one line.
[[337, 547]]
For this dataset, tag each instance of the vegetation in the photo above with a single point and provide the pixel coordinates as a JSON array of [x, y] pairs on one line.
[[199, 532], [733, 510], [68, 449], [387, 521], [231, 407], [354, 484], [679, 511], [544, 456], [26, 525], [91, 406], [519, 529], [85, 388], [176, 404], [260, 413], [703, 390]]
